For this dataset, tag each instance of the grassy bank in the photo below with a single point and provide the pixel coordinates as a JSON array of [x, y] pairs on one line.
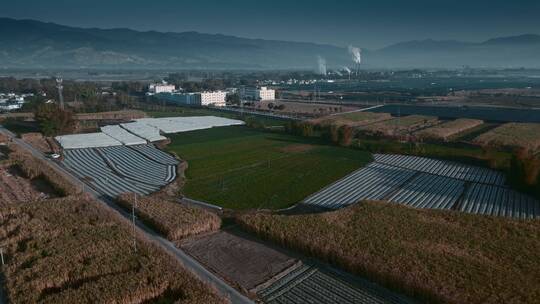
[[436, 256]]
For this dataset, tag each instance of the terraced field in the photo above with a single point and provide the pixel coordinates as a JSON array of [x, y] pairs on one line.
[[428, 183], [242, 168], [116, 170]]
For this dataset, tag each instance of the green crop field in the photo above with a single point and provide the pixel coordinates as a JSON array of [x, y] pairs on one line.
[[242, 168]]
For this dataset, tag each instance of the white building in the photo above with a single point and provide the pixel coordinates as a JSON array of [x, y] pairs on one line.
[[262, 93], [156, 88], [216, 98]]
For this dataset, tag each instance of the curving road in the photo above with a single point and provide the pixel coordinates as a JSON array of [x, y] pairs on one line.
[[195, 267]]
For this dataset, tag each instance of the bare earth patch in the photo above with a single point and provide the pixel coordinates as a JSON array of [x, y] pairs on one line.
[[314, 109], [297, 148], [16, 189], [37, 141], [241, 261], [354, 119]]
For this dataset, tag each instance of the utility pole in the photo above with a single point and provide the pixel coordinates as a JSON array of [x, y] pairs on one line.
[[2, 255], [133, 218], [60, 88]]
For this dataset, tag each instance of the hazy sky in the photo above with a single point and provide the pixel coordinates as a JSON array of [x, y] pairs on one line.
[[365, 23]]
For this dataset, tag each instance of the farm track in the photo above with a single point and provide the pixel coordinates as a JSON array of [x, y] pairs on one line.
[[189, 263]]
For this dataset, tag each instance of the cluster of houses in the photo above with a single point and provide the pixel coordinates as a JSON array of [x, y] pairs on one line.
[[12, 101], [170, 93]]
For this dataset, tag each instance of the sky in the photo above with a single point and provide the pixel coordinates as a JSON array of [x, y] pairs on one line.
[[368, 24]]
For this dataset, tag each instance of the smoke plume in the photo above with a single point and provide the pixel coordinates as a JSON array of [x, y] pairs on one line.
[[322, 65], [356, 54]]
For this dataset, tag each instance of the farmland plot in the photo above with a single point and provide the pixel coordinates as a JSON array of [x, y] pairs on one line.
[[498, 201], [427, 183], [448, 129], [373, 182], [429, 191], [354, 119], [116, 170], [71, 250], [155, 154], [16, 189], [310, 284], [443, 168], [432, 255], [521, 135], [400, 126], [241, 168], [136, 166]]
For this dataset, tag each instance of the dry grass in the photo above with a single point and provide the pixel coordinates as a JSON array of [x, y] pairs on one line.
[[37, 141], [448, 129], [175, 221], [70, 250], [33, 168], [399, 126], [112, 115], [436, 256], [520, 135], [16, 189], [354, 119]]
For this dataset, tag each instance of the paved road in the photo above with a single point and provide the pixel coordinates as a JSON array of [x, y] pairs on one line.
[[202, 273]]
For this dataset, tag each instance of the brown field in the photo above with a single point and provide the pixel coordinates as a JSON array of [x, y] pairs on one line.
[[513, 135], [448, 129], [435, 256], [297, 148], [71, 250], [27, 116], [33, 168], [175, 221], [399, 126], [241, 261], [113, 115], [37, 141], [17, 189], [315, 109], [354, 119]]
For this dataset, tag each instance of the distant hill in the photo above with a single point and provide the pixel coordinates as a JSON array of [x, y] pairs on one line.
[[35, 44], [504, 52], [28, 43]]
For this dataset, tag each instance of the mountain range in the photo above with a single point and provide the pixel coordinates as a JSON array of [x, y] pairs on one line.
[[35, 44]]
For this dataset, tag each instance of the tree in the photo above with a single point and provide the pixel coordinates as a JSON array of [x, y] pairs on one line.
[[233, 99], [345, 135], [53, 120]]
